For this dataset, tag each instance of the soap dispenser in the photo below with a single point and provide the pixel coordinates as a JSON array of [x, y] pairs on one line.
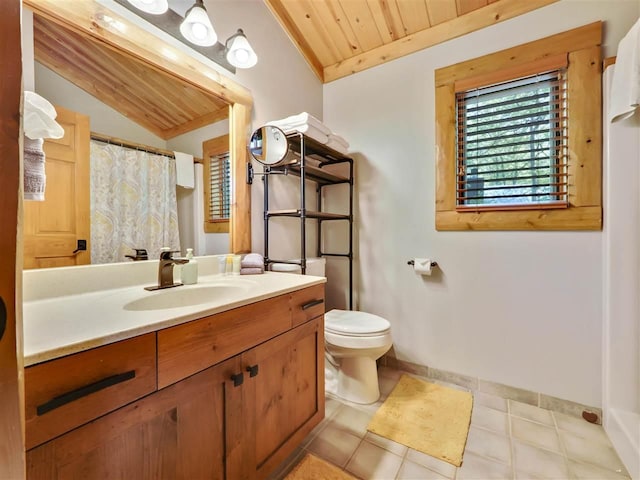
[[189, 273]]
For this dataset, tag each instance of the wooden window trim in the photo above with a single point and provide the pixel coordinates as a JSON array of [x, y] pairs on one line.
[[212, 148], [581, 47]]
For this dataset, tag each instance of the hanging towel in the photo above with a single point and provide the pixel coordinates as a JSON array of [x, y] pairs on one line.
[[184, 170], [34, 176], [40, 118], [625, 90], [38, 123]]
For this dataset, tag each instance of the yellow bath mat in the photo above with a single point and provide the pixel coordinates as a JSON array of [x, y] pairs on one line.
[[426, 417], [313, 468]]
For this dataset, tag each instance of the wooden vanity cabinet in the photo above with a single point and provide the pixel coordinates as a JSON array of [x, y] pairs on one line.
[[234, 419]]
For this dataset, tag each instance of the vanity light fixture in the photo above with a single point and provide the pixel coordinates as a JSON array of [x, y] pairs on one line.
[[238, 51], [155, 7], [196, 26]]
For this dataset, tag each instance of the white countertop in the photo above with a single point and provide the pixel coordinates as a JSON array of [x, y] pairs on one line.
[[62, 325]]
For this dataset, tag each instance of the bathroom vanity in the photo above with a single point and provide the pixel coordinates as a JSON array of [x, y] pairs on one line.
[[224, 394]]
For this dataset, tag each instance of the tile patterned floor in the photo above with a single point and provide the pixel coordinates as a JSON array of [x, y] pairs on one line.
[[507, 440]]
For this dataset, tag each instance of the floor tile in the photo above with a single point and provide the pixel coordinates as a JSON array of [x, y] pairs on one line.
[[413, 471], [390, 445], [334, 445], [597, 453], [530, 412], [490, 419], [479, 468], [352, 420], [584, 471], [538, 463], [580, 427], [540, 435], [489, 444], [440, 466], [491, 401], [373, 462]]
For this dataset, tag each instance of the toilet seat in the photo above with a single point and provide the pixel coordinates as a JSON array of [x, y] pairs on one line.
[[351, 323]]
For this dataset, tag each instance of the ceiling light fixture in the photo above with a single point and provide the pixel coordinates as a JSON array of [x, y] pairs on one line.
[[155, 7], [196, 26], [238, 51]]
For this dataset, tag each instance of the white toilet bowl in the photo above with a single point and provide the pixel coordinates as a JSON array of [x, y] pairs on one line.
[[353, 343]]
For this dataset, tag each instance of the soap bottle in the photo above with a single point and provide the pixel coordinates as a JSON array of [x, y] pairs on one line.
[[189, 272]]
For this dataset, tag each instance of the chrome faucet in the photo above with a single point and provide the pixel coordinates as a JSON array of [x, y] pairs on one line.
[[165, 270]]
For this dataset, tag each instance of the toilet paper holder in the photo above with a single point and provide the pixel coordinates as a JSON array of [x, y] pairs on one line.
[[412, 262]]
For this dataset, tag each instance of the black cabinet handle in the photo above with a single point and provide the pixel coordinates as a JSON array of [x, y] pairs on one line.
[[73, 395], [253, 370], [313, 303], [3, 318], [238, 379]]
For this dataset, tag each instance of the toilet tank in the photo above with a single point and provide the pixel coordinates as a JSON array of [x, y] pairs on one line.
[[315, 266]]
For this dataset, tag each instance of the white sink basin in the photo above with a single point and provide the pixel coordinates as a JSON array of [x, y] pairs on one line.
[[178, 297]]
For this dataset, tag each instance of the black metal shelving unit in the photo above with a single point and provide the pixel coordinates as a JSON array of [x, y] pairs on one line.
[[309, 149]]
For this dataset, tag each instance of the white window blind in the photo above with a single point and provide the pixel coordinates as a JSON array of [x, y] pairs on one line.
[[512, 144], [220, 187]]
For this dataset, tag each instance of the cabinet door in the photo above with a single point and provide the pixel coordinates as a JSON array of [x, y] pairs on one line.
[[287, 393], [175, 433]]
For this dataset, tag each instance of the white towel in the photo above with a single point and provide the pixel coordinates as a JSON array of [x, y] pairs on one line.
[[184, 170], [338, 143], [34, 176], [309, 131], [625, 90], [303, 118], [252, 260], [39, 118]]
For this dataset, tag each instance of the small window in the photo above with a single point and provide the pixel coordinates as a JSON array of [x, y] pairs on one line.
[[220, 188], [512, 144], [217, 184], [518, 137]]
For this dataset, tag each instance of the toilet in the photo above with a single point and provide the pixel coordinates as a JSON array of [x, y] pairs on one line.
[[353, 343]]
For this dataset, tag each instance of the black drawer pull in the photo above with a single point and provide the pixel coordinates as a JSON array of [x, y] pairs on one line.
[[73, 395], [312, 303], [253, 370], [238, 379]]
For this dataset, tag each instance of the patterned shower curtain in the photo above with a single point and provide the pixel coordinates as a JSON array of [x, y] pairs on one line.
[[133, 203]]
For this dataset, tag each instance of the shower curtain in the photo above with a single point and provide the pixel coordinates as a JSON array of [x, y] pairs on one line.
[[133, 203]]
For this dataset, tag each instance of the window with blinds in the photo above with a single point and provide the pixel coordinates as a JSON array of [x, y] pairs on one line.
[[219, 188], [512, 144]]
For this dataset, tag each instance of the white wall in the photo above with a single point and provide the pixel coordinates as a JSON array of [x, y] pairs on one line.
[[520, 308]]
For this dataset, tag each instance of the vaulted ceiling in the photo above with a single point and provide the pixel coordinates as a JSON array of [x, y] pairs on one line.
[[163, 104], [342, 37]]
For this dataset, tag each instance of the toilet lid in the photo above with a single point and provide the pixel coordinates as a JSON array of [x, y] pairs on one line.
[[348, 322]]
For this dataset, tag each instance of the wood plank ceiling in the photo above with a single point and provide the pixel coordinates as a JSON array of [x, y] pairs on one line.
[[342, 37], [163, 104]]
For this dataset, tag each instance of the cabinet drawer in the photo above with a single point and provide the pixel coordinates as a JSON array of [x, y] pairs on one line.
[[189, 348], [307, 304], [67, 392]]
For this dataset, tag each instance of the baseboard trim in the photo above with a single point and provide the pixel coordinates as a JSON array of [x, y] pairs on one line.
[[475, 384]]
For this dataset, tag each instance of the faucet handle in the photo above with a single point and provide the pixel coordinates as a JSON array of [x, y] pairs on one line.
[[167, 254]]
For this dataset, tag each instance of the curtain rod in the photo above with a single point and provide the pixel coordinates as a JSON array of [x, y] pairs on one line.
[[136, 146]]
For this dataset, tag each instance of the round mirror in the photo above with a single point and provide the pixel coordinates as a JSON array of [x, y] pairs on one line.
[[269, 145]]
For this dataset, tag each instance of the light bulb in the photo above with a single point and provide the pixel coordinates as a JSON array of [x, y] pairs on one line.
[[199, 31], [155, 7], [196, 26], [239, 52]]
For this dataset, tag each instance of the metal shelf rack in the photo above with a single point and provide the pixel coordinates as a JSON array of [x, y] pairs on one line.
[[322, 156]]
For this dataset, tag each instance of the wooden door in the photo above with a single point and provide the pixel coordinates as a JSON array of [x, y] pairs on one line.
[[287, 398], [176, 433], [11, 428], [52, 228]]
